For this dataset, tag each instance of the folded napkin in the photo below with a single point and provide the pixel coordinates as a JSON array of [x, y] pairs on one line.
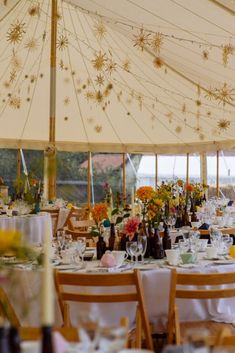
[[204, 226]]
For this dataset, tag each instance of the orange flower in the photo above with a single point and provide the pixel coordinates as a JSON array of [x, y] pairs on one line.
[[189, 187], [145, 193], [180, 182], [99, 212]]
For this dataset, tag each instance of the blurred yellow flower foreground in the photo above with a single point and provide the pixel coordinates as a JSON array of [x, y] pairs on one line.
[[11, 245]]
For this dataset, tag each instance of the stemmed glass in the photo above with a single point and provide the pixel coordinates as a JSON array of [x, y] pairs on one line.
[[143, 241], [129, 249], [81, 247], [137, 249]]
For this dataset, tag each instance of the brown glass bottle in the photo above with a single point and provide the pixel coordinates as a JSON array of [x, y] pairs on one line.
[[112, 237], [156, 247], [166, 241], [14, 340], [47, 343]]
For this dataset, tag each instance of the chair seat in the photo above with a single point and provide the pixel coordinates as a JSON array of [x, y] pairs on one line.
[[212, 327]]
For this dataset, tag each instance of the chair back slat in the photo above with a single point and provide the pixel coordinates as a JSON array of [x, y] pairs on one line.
[[6, 309], [205, 294], [96, 280], [100, 298], [210, 279]]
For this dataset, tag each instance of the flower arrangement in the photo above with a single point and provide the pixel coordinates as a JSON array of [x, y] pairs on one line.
[[11, 245], [99, 213], [145, 193], [131, 227]]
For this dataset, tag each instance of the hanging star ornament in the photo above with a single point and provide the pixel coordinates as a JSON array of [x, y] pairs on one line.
[[62, 42], [99, 61], [126, 65], [157, 42], [227, 50], [223, 124], [100, 30], [99, 80], [15, 32], [141, 39], [110, 66], [31, 44], [224, 94]]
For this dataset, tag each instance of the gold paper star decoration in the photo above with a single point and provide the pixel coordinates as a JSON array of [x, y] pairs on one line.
[[157, 42], [227, 50], [205, 55], [7, 84], [178, 129], [198, 102], [100, 30], [62, 42], [223, 124], [141, 39], [210, 94], [99, 80], [89, 95], [224, 94], [61, 64], [98, 97], [14, 102], [34, 10], [31, 44], [98, 128], [110, 66], [126, 65], [66, 101], [99, 61], [157, 62], [12, 76], [15, 32]]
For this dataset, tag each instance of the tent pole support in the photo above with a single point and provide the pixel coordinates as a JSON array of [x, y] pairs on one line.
[[50, 153], [18, 163], [156, 171], [217, 173], [89, 183], [187, 169], [124, 176]]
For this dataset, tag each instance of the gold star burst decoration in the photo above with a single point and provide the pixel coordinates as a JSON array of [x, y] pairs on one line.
[[62, 42], [14, 102], [126, 65], [31, 44], [13, 75], [34, 10], [205, 55], [15, 32], [66, 101], [110, 66], [99, 61], [223, 124], [224, 94], [227, 50], [141, 39], [158, 62], [157, 42], [100, 30], [99, 80]]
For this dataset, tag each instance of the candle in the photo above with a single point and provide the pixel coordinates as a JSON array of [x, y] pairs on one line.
[[111, 199], [39, 187], [132, 202], [47, 281]]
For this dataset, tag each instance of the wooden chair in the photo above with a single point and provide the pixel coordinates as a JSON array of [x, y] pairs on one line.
[[34, 333], [75, 214], [115, 280], [6, 309], [179, 290], [54, 213]]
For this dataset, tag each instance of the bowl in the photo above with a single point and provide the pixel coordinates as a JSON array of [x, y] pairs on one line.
[[188, 258]]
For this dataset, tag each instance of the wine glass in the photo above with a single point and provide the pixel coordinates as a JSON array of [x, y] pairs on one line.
[[89, 330], [143, 240], [128, 249], [137, 249], [81, 246]]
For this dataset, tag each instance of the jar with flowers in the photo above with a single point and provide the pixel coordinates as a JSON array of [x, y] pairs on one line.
[[130, 231], [99, 214]]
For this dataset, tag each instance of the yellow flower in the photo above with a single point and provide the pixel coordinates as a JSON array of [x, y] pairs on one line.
[[145, 193], [9, 240], [69, 205]]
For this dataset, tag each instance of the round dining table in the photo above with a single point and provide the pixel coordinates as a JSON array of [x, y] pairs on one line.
[[32, 227], [156, 284]]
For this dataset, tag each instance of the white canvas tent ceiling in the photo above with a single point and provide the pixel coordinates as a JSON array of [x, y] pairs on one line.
[[175, 94]]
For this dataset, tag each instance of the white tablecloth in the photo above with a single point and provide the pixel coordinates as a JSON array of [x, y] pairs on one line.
[[156, 289], [31, 226]]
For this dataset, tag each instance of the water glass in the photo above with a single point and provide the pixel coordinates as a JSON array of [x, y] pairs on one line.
[[129, 249], [143, 245], [112, 339], [81, 247]]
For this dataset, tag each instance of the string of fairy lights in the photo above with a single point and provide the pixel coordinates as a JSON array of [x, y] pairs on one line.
[[114, 69]]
